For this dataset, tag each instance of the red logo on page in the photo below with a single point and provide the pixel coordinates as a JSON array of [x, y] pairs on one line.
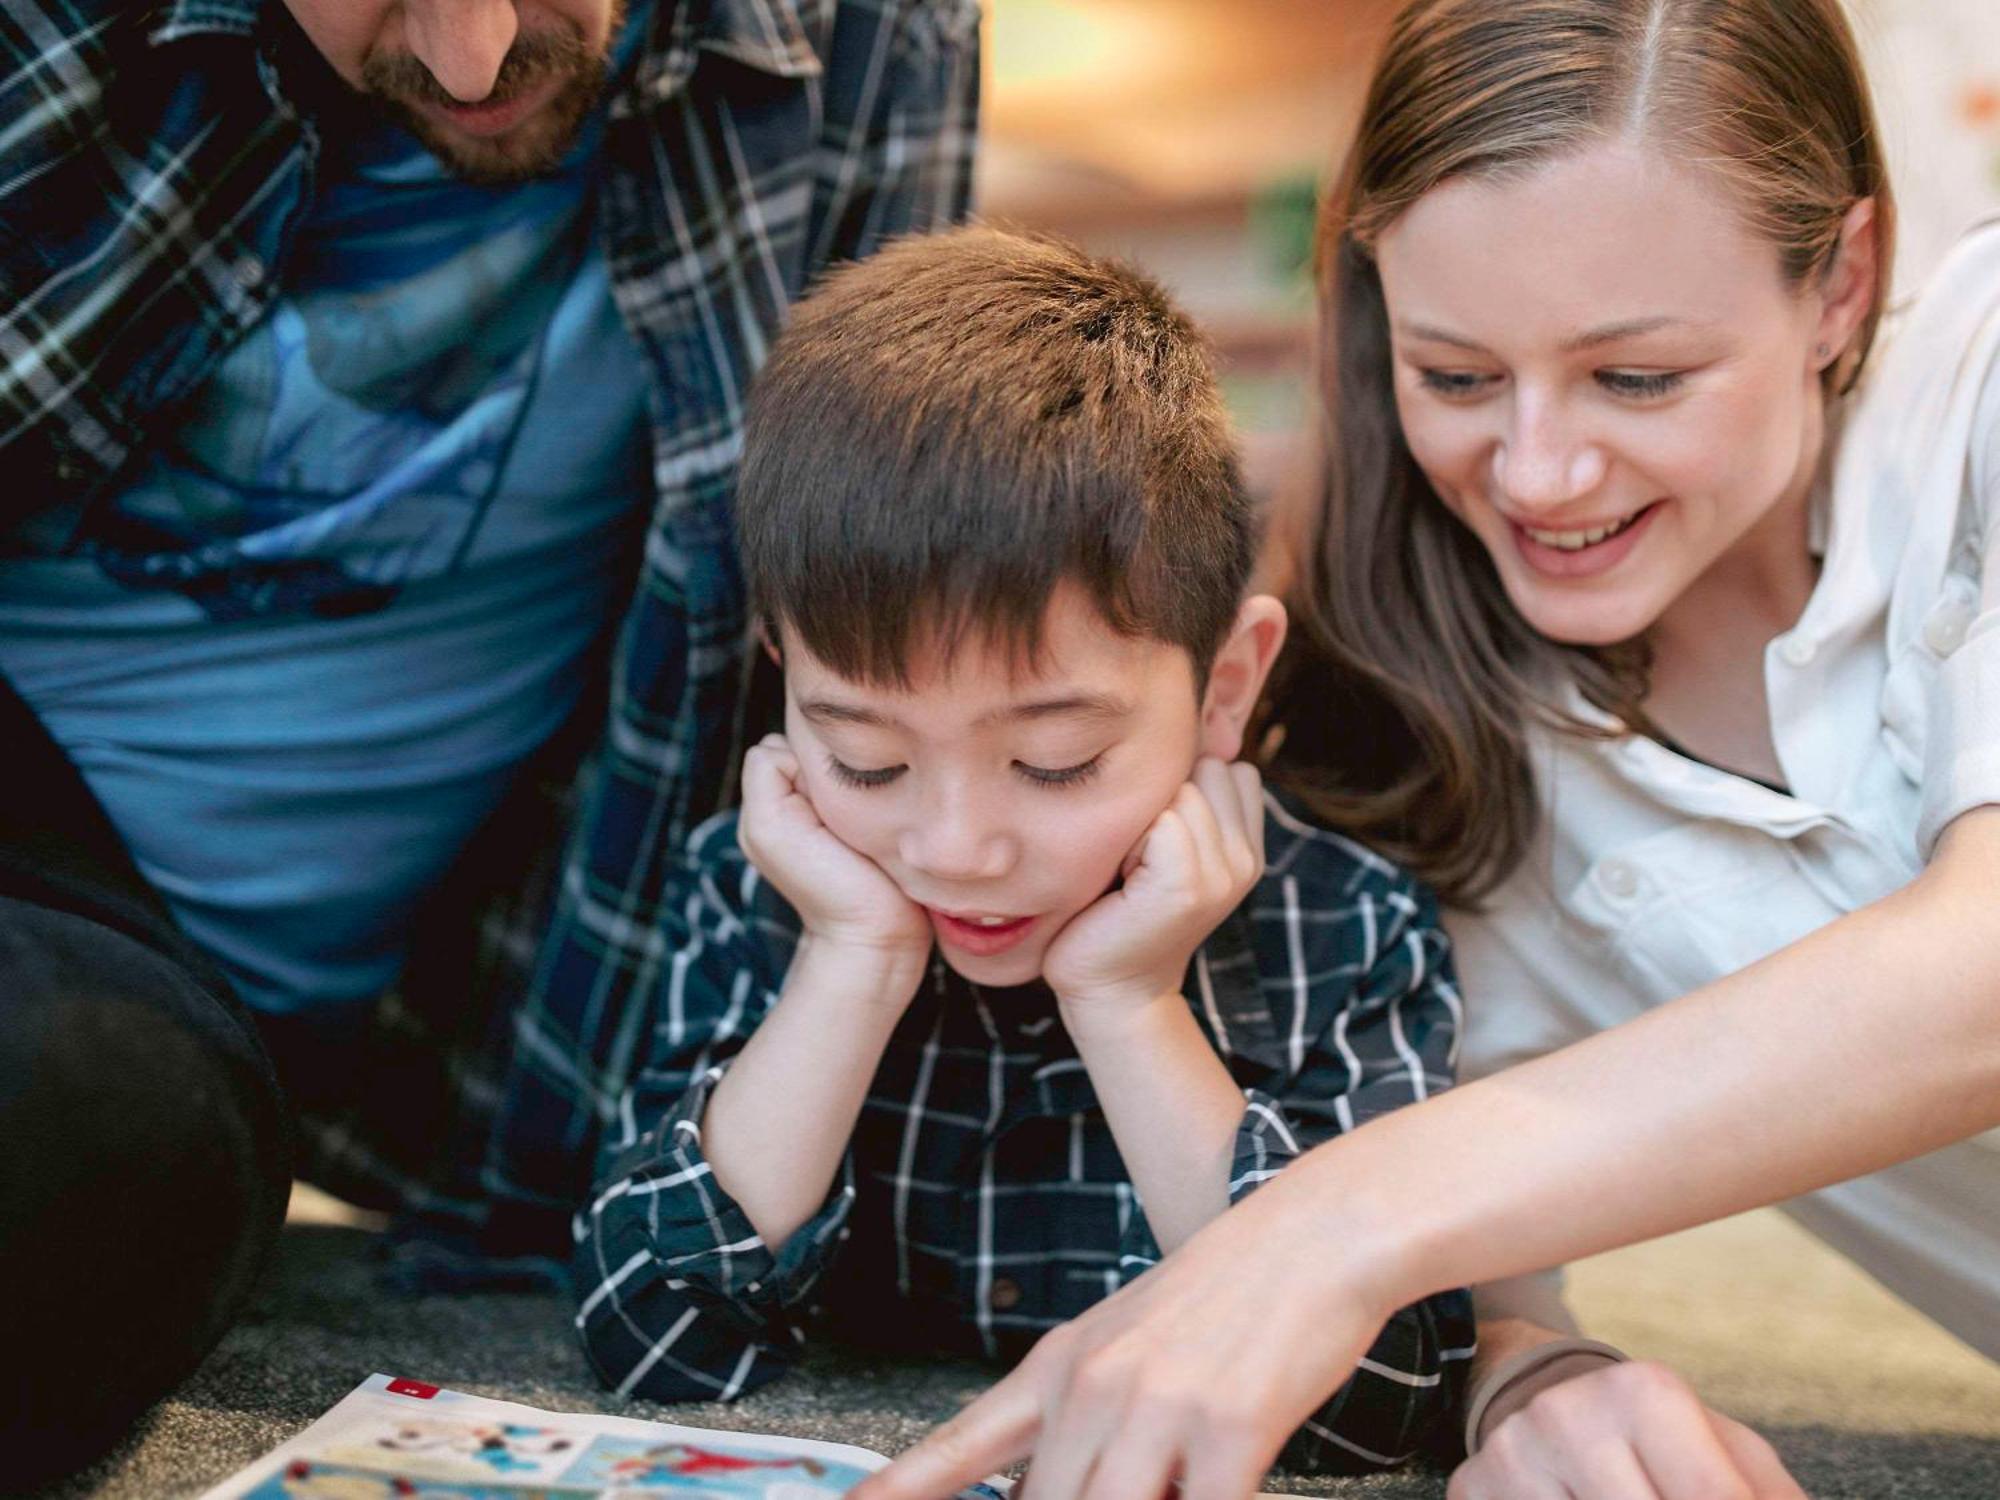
[[412, 1388]]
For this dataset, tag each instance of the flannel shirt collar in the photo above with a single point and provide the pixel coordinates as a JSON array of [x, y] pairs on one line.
[[179, 19], [767, 35]]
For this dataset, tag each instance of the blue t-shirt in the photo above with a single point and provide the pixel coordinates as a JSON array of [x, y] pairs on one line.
[[301, 654]]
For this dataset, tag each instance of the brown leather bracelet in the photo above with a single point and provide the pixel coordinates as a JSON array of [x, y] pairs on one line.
[[1514, 1381]]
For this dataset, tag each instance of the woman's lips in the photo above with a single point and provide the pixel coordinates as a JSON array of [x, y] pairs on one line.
[[1582, 562], [981, 938]]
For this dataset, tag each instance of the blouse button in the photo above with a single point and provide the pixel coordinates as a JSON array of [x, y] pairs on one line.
[[1003, 1295], [1945, 626], [1798, 650], [1620, 880]]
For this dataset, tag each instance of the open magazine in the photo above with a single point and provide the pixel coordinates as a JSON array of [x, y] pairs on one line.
[[394, 1439]]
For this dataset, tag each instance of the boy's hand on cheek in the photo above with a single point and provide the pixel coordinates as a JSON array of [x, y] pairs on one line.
[[842, 897], [1195, 865]]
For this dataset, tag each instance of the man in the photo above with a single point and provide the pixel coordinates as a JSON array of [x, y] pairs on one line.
[[370, 384]]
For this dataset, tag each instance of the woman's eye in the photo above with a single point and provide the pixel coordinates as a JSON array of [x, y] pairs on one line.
[[1458, 384], [1065, 776], [1638, 383], [858, 776]]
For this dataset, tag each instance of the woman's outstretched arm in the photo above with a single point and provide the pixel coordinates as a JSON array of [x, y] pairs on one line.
[[1874, 1039]]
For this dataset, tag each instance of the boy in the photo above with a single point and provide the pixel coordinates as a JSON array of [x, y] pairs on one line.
[[1007, 976]]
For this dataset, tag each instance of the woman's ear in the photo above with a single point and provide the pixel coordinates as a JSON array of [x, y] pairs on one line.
[[1847, 294], [1236, 676]]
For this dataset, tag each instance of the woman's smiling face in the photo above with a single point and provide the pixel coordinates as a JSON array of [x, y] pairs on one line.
[[1605, 375]]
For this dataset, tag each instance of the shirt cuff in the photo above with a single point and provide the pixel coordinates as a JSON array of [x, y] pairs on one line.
[[1514, 1382], [1962, 739], [700, 1235]]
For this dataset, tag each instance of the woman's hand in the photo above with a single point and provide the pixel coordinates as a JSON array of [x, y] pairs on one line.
[[1626, 1432], [842, 897], [1197, 1371]]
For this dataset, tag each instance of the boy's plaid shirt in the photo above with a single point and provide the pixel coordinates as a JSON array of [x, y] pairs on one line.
[[982, 1200], [155, 159]]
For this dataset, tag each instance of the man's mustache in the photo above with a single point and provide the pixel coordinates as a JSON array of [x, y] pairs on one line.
[[535, 56]]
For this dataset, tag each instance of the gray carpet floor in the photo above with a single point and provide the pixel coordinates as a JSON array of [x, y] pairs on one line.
[[1864, 1401]]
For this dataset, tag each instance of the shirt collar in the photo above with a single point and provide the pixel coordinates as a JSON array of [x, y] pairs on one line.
[[767, 35], [178, 19]]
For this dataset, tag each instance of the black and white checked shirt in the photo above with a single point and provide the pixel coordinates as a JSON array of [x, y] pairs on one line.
[[982, 1200]]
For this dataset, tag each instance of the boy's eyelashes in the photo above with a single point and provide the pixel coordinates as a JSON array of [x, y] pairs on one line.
[[1066, 776], [857, 776], [876, 776]]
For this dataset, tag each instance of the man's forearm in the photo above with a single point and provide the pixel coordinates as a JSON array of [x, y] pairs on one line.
[[781, 1118], [1172, 1107]]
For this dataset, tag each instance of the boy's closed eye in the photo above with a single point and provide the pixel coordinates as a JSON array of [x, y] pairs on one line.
[[1049, 776]]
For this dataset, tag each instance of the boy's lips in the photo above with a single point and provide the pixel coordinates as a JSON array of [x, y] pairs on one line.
[[979, 934]]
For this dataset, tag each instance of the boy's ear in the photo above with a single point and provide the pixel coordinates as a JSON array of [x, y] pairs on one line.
[[769, 642], [1237, 675]]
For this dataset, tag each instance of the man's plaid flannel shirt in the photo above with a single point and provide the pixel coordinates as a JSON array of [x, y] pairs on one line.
[[155, 160], [982, 1199]]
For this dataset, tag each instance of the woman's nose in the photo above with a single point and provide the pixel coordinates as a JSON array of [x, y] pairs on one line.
[[1542, 462]]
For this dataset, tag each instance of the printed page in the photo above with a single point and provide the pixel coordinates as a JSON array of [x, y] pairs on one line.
[[396, 1439]]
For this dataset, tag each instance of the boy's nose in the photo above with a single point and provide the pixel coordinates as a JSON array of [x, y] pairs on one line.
[[952, 846], [462, 42]]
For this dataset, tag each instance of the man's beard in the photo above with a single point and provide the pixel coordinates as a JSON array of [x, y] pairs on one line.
[[400, 84]]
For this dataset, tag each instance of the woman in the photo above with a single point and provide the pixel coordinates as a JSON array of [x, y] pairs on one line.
[[1636, 612]]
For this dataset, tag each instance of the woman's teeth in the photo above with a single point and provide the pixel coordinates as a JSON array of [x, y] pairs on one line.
[[1576, 541]]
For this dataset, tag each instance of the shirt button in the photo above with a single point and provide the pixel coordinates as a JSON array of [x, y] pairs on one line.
[[1003, 1295], [249, 273], [1620, 880], [1798, 650], [1947, 623]]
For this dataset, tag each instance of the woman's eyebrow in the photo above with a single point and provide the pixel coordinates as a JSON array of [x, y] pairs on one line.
[[1434, 335], [1609, 333]]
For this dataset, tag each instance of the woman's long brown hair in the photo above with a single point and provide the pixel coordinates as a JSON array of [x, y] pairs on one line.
[[1409, 688]]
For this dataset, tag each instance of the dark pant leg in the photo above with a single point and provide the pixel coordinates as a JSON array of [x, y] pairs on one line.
[[144, 1143]]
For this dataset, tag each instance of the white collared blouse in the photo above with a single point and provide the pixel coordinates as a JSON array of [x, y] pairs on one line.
[[1656, 874]]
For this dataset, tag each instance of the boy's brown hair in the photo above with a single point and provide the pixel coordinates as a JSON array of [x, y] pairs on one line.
[[954, 426]]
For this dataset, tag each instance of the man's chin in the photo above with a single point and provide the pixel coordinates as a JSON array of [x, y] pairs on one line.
[[531, 148]]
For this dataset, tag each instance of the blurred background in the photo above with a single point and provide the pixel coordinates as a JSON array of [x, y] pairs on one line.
[[1193, 135]]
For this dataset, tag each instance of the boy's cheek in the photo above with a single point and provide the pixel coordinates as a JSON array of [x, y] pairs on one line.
[[846, 814]]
